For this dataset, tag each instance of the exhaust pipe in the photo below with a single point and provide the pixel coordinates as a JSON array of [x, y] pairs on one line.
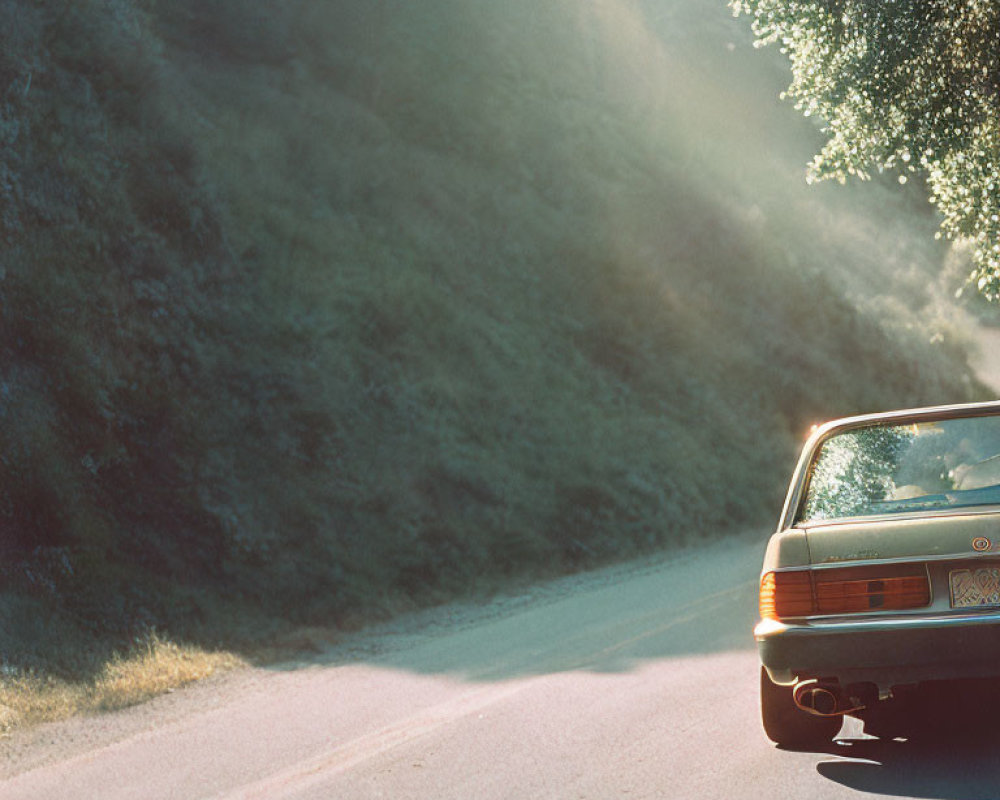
[[822, 700]]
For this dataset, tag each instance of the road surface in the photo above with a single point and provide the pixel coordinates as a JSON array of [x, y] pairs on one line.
[[633, 682]]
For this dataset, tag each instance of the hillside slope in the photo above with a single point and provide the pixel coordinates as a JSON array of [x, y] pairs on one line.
[[313, 311]]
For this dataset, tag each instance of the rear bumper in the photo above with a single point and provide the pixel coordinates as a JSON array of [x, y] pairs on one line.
[[885, 651]]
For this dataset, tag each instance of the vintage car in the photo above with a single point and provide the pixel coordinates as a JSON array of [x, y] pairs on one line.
[[884, 573]]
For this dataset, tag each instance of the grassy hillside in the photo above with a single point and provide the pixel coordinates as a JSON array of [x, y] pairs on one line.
[[314, 311]]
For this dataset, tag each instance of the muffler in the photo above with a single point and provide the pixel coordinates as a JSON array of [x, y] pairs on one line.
[[823, 699]]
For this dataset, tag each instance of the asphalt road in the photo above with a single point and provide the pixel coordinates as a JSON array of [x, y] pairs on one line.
[[635, 682]]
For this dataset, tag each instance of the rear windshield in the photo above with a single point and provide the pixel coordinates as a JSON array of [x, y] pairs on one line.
[[896, 469]]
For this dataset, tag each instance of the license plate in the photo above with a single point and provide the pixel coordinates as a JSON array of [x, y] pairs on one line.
[[975, 588]]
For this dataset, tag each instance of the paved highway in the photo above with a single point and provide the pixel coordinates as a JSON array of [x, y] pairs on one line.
[[634, 682]]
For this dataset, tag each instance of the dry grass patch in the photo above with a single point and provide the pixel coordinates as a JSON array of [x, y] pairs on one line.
[[154, 667]]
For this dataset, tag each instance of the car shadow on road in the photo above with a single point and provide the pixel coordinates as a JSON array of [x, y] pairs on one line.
[[948, 749]]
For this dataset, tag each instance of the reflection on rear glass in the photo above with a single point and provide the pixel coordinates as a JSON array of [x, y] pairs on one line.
[[888, 469]]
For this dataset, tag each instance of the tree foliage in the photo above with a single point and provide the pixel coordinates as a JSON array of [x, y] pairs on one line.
[[907, 85]]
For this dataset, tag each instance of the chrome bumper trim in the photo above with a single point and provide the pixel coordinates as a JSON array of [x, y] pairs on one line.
[[768, 628]]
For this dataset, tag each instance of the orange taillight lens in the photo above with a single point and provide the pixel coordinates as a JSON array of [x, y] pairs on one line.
[[847, 590], [786, 594]]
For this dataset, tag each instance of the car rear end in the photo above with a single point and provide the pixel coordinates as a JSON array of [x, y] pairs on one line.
[[866, 592]]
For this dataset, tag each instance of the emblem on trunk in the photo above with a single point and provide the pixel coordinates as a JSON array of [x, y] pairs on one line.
[[980, 544]]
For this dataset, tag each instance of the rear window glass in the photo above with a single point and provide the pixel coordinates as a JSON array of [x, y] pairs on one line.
[[890, 469]]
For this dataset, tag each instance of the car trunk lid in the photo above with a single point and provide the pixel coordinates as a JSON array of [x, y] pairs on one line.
[[905, 537]]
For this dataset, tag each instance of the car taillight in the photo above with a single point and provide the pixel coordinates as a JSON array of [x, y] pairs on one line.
[[847, 590], [786, 594]]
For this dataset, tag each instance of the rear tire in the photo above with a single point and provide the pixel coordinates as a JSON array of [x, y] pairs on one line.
[[786, 724]]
